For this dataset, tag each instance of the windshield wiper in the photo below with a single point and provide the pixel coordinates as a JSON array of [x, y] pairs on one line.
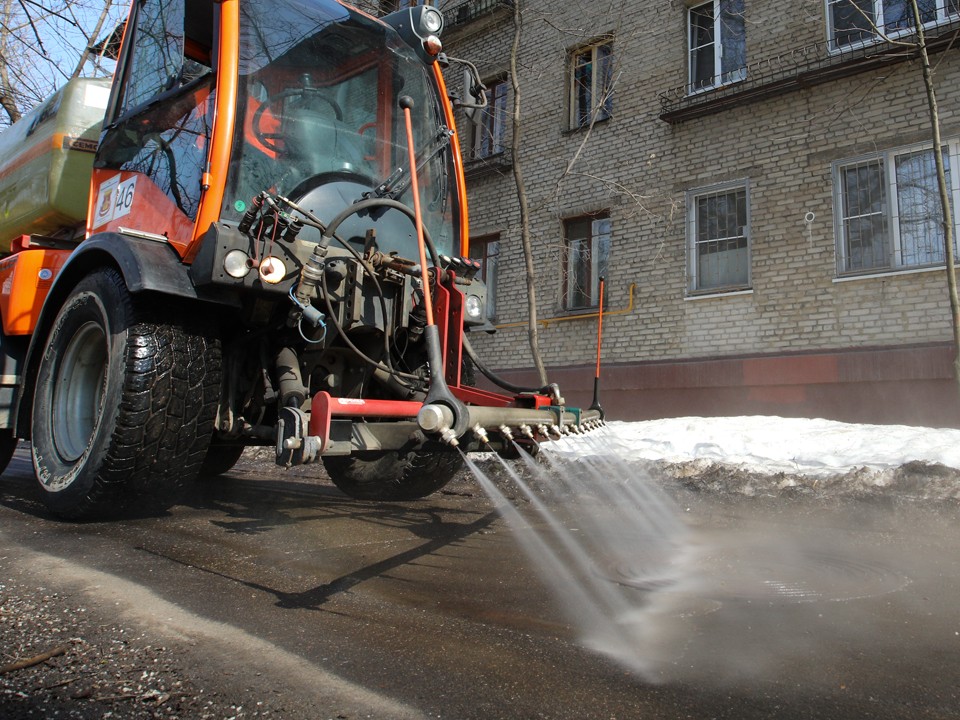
[[398, 182]]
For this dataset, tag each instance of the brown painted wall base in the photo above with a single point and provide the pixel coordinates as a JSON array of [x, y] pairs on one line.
[[909, 385]]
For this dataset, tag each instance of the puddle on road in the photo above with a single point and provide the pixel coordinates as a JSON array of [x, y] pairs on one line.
[[629, 573]]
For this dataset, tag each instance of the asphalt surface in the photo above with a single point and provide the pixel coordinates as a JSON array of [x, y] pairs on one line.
[[275, 586]]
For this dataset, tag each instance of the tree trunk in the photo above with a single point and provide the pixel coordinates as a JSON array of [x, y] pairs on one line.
[[525, 238], [944, 190], [92, 38], [8, 104], [7, 100]]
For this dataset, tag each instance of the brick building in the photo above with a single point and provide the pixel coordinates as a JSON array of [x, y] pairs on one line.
[[754, 179]]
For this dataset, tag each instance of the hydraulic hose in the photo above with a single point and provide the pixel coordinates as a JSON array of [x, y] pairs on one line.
[[496, 379], [371, 203]]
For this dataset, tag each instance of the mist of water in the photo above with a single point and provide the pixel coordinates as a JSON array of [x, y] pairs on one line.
[[604, 538]]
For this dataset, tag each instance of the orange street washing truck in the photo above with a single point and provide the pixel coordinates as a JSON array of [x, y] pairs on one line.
[[253, 236]]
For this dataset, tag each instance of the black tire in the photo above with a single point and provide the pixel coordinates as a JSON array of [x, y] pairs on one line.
[[393, 474], [125, 403], [220, 458], [8, 445]]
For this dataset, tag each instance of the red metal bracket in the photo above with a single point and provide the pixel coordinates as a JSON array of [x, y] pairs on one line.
[[323, 408]]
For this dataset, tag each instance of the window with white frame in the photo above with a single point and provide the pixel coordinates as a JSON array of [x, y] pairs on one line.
[[858, 22], [718, 237], [586, 254], [489, 134], [888, 210], [486, 249], [591, 84], [717, 42]]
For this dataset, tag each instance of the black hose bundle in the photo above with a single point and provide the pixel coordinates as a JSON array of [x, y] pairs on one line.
[[496, 379]]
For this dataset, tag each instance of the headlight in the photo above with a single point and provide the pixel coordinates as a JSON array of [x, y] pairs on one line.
[[474, 307], [420, 27], [431, 20], [236, 264]]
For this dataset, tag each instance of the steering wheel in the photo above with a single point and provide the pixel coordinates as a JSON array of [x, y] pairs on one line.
[[345, 175], [272, 140]]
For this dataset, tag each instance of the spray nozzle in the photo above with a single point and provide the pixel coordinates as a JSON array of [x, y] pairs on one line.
[[481, 434]]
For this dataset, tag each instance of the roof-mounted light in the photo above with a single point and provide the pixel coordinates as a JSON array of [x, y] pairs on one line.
[[431, 20], [420, 27]]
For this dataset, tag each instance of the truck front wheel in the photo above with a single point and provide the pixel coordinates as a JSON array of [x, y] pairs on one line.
[[124, 405], [393, 474]]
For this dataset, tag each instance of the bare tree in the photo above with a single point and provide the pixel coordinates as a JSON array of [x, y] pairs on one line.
[[39, 38], [943, 190], [600, 104], [917, 43], [526, 241]]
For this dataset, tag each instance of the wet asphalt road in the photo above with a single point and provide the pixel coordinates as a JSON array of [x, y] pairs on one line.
[[802, 608]]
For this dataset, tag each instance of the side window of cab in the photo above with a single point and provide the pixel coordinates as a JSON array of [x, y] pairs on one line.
[[157, 57], [163, 116]]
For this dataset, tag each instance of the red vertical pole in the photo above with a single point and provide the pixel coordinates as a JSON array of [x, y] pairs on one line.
[[596, 378], [407, 103]]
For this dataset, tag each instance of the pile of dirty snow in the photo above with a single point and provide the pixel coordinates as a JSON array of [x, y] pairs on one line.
[[754, 455]]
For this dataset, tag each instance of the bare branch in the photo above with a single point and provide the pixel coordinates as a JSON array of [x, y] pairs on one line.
[[92, 37], [32, 26], [594, 115], [43, 43], [49, 11]]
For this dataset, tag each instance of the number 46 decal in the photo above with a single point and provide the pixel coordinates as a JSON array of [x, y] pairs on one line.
[[114, 199]]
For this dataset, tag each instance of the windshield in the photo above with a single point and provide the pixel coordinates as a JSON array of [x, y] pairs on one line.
[[318, 119]]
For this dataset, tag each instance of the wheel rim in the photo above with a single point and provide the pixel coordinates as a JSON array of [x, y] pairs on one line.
[[78, 391]]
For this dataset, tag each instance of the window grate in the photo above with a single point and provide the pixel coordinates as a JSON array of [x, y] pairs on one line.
[[462, 13], [888, 210], [785, 72], [719, 257]]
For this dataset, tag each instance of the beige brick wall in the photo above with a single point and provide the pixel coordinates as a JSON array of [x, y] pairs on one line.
[[641, 168]]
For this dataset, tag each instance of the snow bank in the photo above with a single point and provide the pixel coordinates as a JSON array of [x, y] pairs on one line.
[[770, 445]]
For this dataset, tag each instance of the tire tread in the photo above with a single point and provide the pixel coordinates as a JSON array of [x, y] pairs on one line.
[[167, 411]]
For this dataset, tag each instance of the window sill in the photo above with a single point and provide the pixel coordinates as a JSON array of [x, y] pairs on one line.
[[718, 294], [742, 76], [891, 36], [574, 129], [478, 167], [889, 273]]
